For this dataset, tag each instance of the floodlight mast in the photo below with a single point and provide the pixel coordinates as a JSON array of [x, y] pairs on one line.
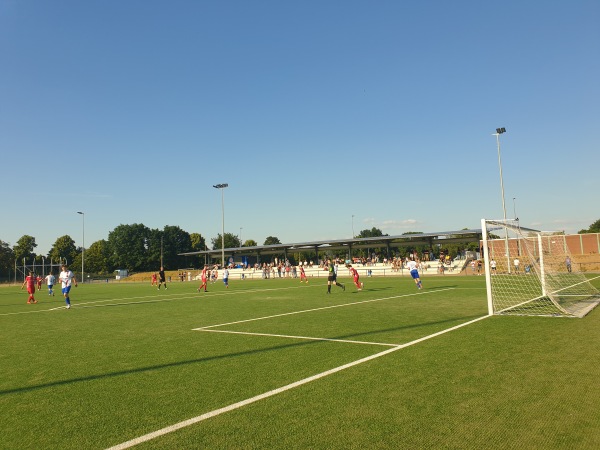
[[499, 131], [83, 243], [222, 186]]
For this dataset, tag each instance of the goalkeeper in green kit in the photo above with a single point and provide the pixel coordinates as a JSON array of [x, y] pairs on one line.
[[332, 277]]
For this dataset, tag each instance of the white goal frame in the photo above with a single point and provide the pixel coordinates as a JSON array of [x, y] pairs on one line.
[[544, 285]]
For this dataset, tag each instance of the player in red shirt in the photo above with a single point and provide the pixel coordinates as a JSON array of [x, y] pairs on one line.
[[30, 282], [303, 275], [38, 280], [154, 281], [204, 280], [355, 277]]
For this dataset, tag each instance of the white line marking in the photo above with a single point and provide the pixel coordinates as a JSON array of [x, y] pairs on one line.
[[319, 309], [298, 337], [16, 313], [233, 406], [172, 296], [90, 305]]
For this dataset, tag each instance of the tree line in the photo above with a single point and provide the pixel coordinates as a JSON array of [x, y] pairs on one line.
[[594, 228], [134, 247], [138, 248]]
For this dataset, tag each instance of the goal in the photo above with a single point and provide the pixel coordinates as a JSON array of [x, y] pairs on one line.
[[530, 272]]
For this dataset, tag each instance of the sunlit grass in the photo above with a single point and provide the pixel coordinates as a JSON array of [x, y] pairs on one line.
[[125, 361]]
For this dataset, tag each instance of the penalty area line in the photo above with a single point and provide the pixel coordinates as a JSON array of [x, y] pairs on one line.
[[306, 338], [341, 305], [240, 404]]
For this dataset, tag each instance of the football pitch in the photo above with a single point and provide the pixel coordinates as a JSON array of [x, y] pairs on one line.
[[276, 364]]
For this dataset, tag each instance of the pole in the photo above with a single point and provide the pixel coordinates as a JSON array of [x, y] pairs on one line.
[[488, 275], [83, 244], [542, 272], [514, 208], [223, 228], [222, 186], [499, 131]]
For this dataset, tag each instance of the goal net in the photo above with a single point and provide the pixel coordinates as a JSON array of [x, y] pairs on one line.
[[530, 272]]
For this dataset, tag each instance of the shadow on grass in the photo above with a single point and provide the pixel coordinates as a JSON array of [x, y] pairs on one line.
[[409, 327], [425, 288], [437, 288], [369, 289], [218, 357]]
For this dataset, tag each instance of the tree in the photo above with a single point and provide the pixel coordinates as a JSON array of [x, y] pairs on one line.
[[64, 247], [128, 245], [198, 242], [154, 244], [97, 258], [451, 249], [373, 232], [231, 241], [272, 240], [7, 258], [175, 241], [250, 243], [24, 248], [198, 245], [305, 256], [419, 249], [594, 228]]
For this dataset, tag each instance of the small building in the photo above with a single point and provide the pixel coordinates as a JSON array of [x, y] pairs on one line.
[[121, 273]]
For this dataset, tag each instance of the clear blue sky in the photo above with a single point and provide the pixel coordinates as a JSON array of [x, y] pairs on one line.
[[312, 111]]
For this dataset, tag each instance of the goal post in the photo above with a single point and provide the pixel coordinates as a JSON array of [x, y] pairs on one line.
[[530, 272]]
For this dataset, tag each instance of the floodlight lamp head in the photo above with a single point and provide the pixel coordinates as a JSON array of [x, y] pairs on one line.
[[500, 130], [79, 212], [220, 186]]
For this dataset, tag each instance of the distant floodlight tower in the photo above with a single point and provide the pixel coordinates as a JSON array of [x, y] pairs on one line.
[[83, 242], [498, 132], [222, 186]]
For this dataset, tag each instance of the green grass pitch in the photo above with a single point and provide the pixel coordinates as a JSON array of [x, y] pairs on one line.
[[127, 360]]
